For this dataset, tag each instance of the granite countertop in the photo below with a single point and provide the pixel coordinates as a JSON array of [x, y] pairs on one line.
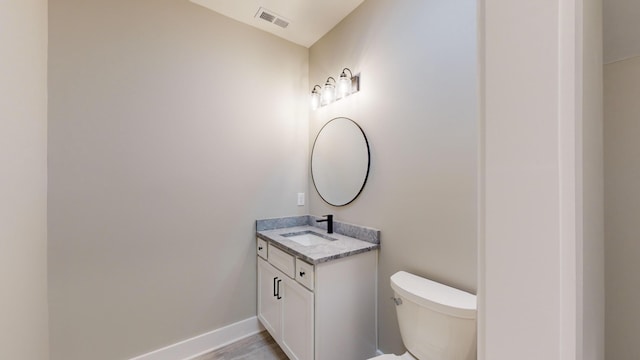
[[361, 239]]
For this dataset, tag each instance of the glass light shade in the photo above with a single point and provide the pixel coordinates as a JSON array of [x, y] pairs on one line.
[[315, 100], [328, 93], [344, 86]]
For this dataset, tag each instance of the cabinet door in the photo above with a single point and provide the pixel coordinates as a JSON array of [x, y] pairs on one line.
[[269, 306], [297, 320]]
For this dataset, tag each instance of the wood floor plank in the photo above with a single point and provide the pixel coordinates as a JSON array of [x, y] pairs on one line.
[[257, 347]]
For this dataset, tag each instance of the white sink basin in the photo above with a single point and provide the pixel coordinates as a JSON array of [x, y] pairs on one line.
[[308, 238]]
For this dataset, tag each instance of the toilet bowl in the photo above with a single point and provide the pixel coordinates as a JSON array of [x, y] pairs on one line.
[[437, 322]]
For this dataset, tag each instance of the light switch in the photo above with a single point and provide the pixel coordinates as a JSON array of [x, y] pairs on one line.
[[300, 199]]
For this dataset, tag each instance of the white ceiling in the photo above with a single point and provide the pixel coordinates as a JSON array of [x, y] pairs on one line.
[[309, 19], [621, 23], [312, 19]]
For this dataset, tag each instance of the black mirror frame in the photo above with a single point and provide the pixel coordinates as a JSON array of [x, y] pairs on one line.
[[366, 177]]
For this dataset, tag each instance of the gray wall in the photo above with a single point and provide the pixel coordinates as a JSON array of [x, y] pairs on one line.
[[417, 107], [171, 130], [23, 180], [622, 206]]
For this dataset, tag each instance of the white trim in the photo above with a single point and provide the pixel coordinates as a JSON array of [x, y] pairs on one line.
[[570, 171], [202, 344]]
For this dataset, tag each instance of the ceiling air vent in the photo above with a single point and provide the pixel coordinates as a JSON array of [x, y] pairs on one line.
[[270, 16]]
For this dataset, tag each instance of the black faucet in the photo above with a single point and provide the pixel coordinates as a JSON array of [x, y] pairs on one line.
[[329, 220]]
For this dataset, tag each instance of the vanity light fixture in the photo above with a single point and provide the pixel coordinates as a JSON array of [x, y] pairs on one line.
[[334, 90], [315, 97]]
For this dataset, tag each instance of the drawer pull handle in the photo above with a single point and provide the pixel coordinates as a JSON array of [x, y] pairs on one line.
[[259, 247], [275, 293], [279, 297], [302, 273]]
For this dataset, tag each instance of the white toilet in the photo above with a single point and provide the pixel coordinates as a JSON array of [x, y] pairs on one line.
[[437, 322]]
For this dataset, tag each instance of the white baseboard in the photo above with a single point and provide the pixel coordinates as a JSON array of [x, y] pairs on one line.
[[378, 353], [202, 344]]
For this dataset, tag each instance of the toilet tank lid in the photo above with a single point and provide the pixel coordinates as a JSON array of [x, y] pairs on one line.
[[433, 295]]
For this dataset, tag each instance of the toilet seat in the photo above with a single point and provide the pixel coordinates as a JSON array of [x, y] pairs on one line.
[[405, 356]]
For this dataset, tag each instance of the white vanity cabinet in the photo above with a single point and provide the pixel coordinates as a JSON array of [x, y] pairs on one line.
[[285, 308], [325, 311], [269, 306]]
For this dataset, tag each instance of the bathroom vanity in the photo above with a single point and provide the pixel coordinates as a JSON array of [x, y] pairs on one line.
[[317, 291]]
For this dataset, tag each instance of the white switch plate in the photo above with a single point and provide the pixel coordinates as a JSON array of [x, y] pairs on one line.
[[300, 199]]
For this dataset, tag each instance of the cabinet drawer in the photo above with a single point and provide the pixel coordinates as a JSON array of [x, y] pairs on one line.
[[262, 248], [304, 274], [282, 261]]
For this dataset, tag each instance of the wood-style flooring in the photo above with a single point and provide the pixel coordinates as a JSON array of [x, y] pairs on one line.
[[257, 347]]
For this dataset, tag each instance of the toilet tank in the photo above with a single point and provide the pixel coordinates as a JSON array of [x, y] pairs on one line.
[[437, 322]]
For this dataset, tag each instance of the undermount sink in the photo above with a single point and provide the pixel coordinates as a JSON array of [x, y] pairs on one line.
[[308, 238]]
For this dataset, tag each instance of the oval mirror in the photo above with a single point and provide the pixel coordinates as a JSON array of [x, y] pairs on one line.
[[340, 161]]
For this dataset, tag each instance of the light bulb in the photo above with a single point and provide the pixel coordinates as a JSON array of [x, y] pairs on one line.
[[315, 97], [315, 100], [329, 92], [344, 85]]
